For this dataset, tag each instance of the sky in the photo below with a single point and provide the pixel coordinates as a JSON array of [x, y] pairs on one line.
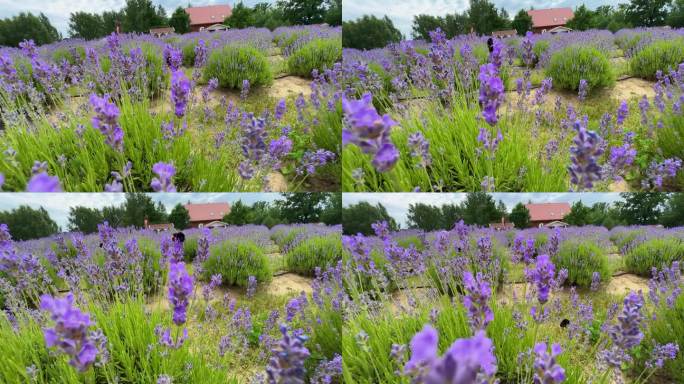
[[401, 12], [58, 10], [397, 204], [58, 204]]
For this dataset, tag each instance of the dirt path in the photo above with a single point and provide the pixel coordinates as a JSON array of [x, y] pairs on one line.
[[289, 86], [623, 284], [289, 284]]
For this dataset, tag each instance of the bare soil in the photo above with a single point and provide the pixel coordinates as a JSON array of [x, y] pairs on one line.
[[623, 284], [276, 182], [632, 87], [289, 284], [289, 86]]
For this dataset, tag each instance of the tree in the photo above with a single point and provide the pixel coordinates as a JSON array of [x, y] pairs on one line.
[[485, 18], [86, 25], [520, 216], [522, 22], [579, 214], [583, 19], [673, 212], [267, 16], [333, 15], [425, 217], [304, 207], [303, 12], [641, 208], [109, 21], [238, 214], [114, 215], [332, 211], [455, 24], [357, 218], [424, 24], [26, 223], [369, 32], [240, 17], [179, 217], [647, 13], [84, 219], [27, 26], [139, 206], [479, 208], [451, 214], [676, 17], [180, 21], [141, 15]]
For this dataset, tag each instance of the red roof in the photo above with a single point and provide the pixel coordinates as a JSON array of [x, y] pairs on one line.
[[210, 14], [548, 211], [550, 17], [207, 212]]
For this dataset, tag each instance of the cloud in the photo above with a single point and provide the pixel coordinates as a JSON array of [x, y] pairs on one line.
[[401, 12], [58, 204], [397, 204], [58, 10]]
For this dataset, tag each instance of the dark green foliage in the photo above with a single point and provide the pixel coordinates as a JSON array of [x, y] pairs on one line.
[[647, 13], [189, 53], [27, 26], [654, 253], [574, 63], [86, 25], [232, 64], [357, 218], [318, 54], [180, 21], [318, 251], [154, 270], [581, 259], [141, 15], [190, 249], [303, 12], [332, 213], [479, 208], [369, 32], [304, 207], [74, 55], [138, 207], [661, 55], [640, 208], [27, 223], [520, 216], [522, 22], [583, 19], [673, 213], [84, 219], [485, 18], [179, 217], [236, 261], [668, 327], [240, 17]]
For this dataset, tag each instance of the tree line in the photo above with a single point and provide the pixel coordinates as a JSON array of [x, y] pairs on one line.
[[483, 17], [481, 209]]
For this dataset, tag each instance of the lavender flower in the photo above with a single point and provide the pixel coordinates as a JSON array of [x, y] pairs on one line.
[[626, 334], [70, 332], [165, 173], [106, 120], [491, 92], [173, 57], [542, 276], [180, 289], [584, 154], [251, 286], [476, 300], [420, 148], [547, 371], [43, 182], [583, 88], [595, 281], [287, 359], [180, 92], [280, 109], [622, 112], [245, 89], [466, 361], [661, 353]]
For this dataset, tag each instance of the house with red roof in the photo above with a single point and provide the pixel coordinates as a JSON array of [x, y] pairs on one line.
[[207, 214], [202, 18], [550, 20], [548, 214]]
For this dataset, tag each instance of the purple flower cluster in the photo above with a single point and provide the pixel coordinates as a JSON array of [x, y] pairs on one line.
[[542, 276], [584, 155], [662, 353], [369, 131], [180, 92], [106, 120], [547, 371], [466, 361], [659, 173], [70, 333], [287, 359], [180, 289], [42, 182], [491, 92], [476, 300], [420, 148], [164, 180], [173, 57], [626, 334], [251, 286], [582, 89]]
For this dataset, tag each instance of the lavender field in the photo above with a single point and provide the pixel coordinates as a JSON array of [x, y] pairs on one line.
[[239, 110], [241, 304], [579, 111], [570, 305]]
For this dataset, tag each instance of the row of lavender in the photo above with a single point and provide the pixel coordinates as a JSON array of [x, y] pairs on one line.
[[82, 312], [407, 297]]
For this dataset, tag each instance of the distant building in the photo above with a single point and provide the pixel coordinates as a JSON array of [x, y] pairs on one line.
[[161, 31], [550, 20], [504, 34], [202, 18], [209, 214], [548, 214], [502, 226]]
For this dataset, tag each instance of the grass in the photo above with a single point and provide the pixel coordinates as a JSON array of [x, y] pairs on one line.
[[654, 253], [582, 259], [234, 63], [316, 252], [236, 261]]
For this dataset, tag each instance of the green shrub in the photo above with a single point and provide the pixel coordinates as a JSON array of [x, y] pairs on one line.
[[623, 238], [670, 137], [539, 48], [154, 68], [316, 54], [654, 253], [541, 239], [190, 249], [574, 63], [661, 55], [283, 237], [668, 327], [408, 241], [236, 261], [317, 251], [581, 259], [189, 53], [74, 55], [154, 271], [327, 133], [232, 64]]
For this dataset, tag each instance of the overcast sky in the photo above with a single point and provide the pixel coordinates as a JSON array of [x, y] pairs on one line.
[[58, 10], [58, 204], [401, 12], [397, 204]]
